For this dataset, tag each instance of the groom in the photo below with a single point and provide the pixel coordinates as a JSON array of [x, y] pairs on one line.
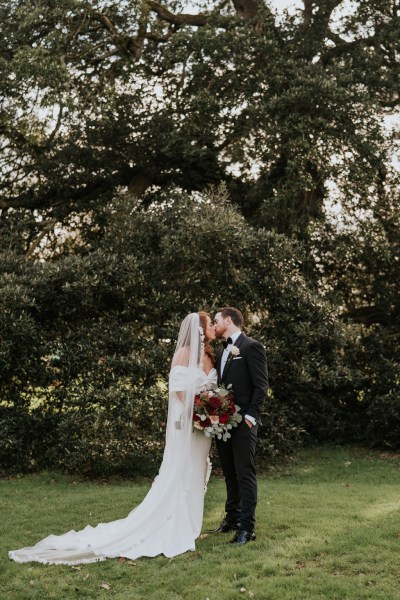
[[242, 363]]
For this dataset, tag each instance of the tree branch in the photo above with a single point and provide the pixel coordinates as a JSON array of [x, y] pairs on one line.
[[107, 24], [50, 197], [367, 315], [308, 6], [343, 46], [57, 125], [126, 44], [391, 103], [46, 229], [198, 20], [181, 19], [245, 9], [317, 14]]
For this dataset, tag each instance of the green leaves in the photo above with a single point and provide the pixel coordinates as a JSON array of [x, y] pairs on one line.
[[87, 339], [97, 105], [283, 116]]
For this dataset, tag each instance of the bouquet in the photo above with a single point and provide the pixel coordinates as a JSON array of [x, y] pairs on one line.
[[215, 412]]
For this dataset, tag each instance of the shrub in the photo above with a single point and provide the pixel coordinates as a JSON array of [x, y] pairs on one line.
[[98, 333]]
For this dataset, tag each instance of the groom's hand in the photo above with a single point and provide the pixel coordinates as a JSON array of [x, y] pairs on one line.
[[248, 423]]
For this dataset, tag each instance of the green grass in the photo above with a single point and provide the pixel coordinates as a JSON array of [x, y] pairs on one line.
[[328, 527]]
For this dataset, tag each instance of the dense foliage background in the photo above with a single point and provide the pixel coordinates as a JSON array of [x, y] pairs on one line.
[[155, 162]]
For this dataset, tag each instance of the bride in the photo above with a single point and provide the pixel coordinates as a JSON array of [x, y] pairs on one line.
[[169, 518]]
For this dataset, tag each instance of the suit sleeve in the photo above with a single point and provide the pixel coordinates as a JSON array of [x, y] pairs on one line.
[[257, 365]]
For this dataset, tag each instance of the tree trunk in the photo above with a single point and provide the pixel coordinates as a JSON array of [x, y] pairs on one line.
[[247, 9]]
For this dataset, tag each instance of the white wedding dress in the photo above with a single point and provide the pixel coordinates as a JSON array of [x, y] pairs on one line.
[[169, 518]]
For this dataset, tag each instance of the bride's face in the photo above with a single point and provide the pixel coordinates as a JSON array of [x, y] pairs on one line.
[[210, 330]]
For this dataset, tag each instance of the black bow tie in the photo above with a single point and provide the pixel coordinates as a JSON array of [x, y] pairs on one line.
[[227, 342]]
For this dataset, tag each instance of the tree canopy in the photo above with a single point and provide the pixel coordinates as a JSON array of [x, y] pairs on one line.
[[229, 150], [98, 95]]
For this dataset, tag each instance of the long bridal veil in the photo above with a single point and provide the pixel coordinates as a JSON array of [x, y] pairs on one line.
[[163, 523]]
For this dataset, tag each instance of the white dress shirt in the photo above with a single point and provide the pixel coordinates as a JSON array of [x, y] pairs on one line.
[[224, 358], [227, 350]]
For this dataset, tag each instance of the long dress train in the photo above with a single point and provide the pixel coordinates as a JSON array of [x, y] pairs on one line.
[[169, 519]]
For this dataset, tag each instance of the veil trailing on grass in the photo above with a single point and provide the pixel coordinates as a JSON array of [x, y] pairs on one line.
[[168, 520]]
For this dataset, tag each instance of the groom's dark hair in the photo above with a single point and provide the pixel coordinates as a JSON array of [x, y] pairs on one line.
[[233, 313]]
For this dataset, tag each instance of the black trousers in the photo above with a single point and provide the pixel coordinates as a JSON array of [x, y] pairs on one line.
[[237, 456]]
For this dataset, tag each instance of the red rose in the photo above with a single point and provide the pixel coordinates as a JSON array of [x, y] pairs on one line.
[[214, 401], [205, 423], [223, 419], [196, 417]]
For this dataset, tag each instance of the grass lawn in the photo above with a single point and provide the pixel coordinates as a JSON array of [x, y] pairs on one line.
[[328, 527]]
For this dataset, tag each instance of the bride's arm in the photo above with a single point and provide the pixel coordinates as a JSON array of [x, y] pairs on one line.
[[180, 359]]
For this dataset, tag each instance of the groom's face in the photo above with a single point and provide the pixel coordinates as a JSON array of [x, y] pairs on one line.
[[221, 325]]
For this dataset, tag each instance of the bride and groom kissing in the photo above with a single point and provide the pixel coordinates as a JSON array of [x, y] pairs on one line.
[[169, 519]]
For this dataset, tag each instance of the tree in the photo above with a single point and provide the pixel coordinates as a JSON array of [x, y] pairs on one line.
[[361, 273], [98, 332], [99, 95], [146, 100]]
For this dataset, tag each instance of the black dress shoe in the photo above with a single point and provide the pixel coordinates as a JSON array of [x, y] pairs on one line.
[[243, 536], [225, 526]]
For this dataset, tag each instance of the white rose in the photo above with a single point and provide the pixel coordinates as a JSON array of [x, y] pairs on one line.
[[235, 351]]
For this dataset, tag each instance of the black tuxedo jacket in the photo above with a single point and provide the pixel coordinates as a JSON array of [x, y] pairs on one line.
[[248, 375]]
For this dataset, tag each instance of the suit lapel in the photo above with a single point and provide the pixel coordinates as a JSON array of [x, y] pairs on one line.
[[219, 358]]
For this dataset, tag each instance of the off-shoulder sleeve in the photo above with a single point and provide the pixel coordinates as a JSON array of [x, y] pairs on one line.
[[182, 378]]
